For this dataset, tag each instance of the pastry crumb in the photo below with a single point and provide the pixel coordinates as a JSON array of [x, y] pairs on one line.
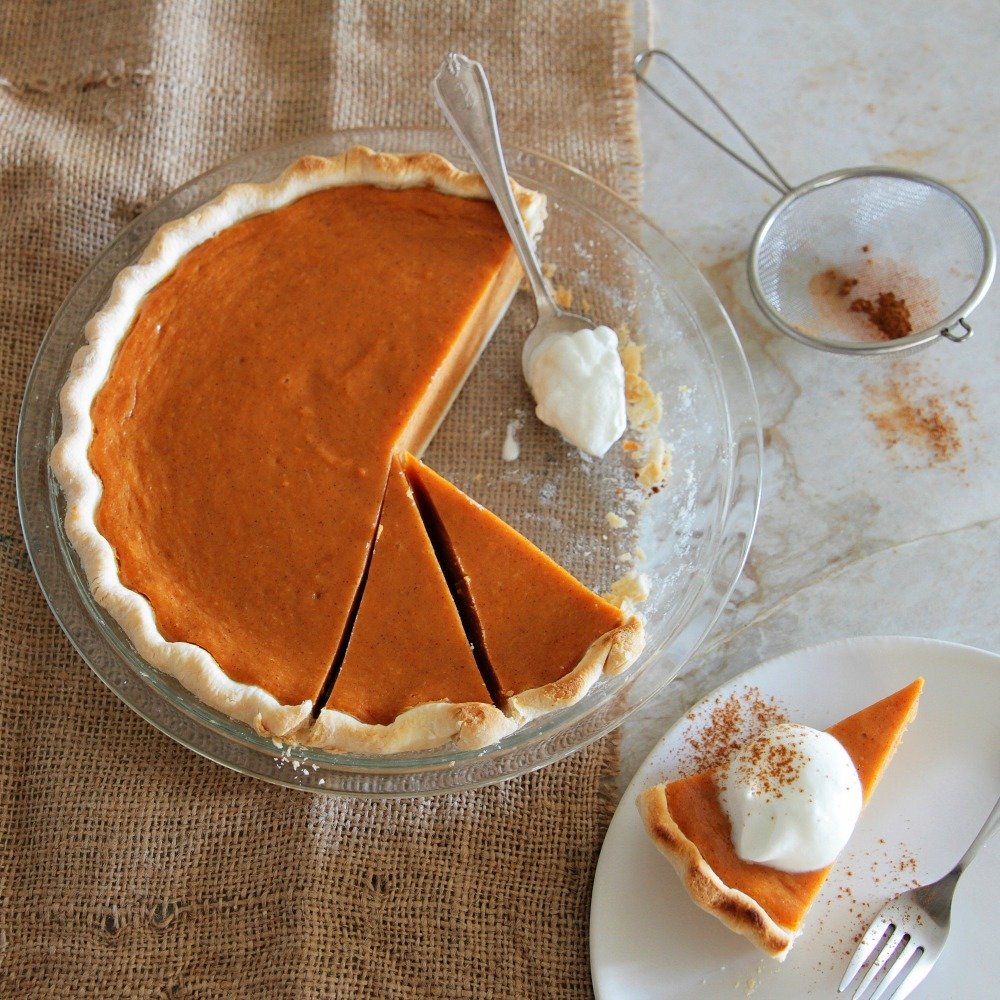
[[653, 471], [563, 297], [645, 407], [645, 411], [628, 591], [615, 520]]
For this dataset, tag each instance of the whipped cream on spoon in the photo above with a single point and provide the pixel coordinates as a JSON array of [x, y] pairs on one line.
[[572, 368]]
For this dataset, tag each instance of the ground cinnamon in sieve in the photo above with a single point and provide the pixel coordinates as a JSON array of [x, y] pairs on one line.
[[890, 314], [880, 302]]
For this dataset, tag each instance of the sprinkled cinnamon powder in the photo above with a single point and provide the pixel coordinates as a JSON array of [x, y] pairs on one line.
[[890, 870], [771, 766], [731, 722], [910, 412]]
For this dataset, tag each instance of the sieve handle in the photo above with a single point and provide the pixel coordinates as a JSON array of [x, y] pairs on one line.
[[639, 67], [958, 337]]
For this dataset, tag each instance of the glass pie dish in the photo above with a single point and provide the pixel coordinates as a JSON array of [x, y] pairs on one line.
[[688, 537]]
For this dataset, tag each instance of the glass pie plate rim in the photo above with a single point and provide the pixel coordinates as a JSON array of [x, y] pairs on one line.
[[178, 714]]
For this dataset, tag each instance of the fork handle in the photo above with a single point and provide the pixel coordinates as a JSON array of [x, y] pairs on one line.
[[989, 828], [936, 897]]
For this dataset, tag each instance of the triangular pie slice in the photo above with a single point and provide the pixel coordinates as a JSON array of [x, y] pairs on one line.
[[542, 637], [687, 823], [408, 677]]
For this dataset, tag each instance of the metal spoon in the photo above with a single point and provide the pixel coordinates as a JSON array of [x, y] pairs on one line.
[[462, 91]]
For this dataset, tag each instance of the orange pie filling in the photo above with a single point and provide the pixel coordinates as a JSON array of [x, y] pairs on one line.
[[244, 436], [542, 635], [244, 441], [687, 821]]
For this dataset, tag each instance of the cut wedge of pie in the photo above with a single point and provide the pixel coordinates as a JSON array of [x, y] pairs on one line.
[[408, 676], [543, 637], [230, 426], [686, 821]]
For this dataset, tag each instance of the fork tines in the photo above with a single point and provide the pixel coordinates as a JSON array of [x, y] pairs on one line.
[[885, 944]]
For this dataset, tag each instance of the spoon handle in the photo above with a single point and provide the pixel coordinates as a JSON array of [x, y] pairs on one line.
[[462, 91]]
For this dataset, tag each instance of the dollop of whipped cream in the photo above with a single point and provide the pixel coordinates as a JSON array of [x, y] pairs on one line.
[[793, 797], [578, 383]]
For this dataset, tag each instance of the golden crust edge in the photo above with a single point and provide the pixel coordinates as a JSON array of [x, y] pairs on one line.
[[469, 725], [609, 654], [738, 911], [191, 665]]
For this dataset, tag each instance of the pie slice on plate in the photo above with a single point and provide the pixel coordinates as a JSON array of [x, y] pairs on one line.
[[542, 637], [687, 822]]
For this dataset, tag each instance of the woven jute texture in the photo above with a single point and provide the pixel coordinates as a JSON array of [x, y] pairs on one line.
[[129, 867]]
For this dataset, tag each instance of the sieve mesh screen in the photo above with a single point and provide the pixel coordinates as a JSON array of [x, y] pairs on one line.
[[865, 234]]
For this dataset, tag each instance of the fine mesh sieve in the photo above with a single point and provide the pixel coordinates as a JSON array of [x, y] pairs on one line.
[[867, 260]]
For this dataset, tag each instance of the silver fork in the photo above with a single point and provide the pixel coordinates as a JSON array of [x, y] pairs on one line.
[[915, 923]]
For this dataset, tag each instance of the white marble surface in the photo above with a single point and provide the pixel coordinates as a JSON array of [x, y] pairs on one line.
[[855, 537]]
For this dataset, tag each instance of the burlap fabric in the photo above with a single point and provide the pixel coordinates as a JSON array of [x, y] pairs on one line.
[[129, 866]]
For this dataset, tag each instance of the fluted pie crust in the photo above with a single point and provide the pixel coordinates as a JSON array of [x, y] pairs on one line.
[[177, 629]]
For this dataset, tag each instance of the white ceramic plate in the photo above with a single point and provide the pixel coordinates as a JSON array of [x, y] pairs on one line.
[[647, 939]]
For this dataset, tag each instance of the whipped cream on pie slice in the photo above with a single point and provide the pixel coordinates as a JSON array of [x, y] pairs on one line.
[[793, 798], [687, 822]]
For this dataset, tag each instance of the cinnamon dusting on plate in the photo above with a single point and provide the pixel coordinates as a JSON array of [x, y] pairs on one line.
[[889, 868], [711, 742]]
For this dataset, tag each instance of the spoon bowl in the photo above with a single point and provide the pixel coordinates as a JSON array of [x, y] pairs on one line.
[[571, 366]]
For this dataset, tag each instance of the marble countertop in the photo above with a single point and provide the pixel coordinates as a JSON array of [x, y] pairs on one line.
[[857, 535]]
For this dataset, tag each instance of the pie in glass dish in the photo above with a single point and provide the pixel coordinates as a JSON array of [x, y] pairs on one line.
[[234, 453]]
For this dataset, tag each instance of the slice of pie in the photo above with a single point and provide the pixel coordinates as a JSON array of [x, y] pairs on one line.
[[229, 426], [543, 638], [687, 823], [408, 677]]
